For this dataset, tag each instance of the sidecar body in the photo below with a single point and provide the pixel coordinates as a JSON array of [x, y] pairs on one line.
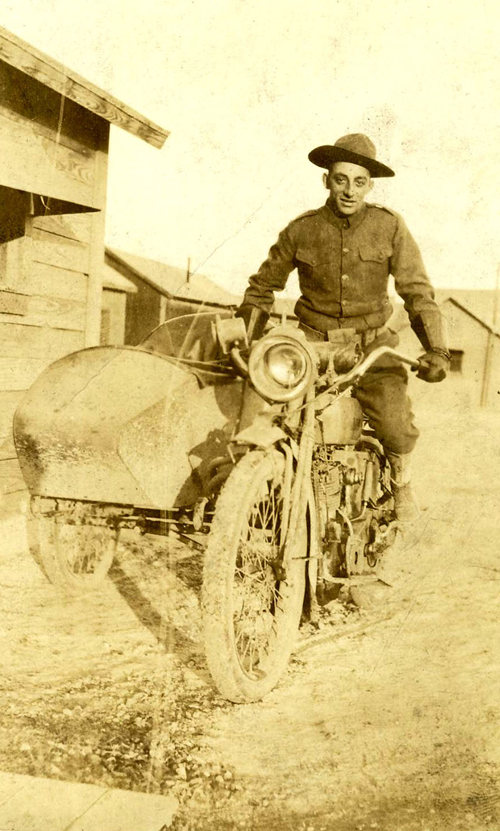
[[136, 426]]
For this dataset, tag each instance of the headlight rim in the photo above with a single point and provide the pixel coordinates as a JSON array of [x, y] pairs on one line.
[[269, 359], [267, 387]]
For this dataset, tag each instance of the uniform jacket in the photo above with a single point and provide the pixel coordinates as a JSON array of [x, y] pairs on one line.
[[344, 265]]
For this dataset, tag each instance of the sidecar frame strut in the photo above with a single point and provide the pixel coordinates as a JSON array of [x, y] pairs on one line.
[[190, 524]]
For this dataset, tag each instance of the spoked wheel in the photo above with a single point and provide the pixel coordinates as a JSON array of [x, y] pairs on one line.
[[251, 607], [76, 558]]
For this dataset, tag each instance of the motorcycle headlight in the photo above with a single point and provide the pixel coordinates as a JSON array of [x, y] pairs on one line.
[[285, 364], [280, 367]]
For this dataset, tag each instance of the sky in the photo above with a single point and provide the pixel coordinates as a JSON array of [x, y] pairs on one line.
[[247, 89]]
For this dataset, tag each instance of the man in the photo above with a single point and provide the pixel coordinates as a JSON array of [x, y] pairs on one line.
[[344, 253]]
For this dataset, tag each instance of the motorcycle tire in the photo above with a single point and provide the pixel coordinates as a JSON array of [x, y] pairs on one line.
[[251, 612], [75, 558]]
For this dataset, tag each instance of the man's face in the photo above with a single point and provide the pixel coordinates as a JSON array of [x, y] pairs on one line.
[[348, 185]]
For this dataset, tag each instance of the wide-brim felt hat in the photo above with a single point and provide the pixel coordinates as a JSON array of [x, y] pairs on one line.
[[355, 148]]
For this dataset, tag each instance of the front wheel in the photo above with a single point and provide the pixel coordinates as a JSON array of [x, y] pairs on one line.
[[251, 607]]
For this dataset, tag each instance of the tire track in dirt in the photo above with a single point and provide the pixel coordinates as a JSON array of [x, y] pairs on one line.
[[391, 727]]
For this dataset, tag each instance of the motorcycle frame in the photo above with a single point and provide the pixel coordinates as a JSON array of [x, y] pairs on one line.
[[299, 497]]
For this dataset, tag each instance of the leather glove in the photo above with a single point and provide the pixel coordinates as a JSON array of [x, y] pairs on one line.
[[434, 366]]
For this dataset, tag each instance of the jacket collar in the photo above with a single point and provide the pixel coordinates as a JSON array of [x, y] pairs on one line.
[[330, 213]]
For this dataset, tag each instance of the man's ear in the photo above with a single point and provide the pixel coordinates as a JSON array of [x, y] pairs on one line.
[[325, 179]]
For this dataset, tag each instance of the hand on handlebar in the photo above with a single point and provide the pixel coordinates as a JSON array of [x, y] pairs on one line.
[[433, 366]]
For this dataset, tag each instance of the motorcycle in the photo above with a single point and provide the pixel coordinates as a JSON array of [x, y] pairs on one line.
[[255, 453]]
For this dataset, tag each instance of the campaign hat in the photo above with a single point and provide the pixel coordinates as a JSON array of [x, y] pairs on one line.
[[355, 148]]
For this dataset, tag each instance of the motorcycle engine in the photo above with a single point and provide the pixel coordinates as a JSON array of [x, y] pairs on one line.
[[353, 509], [338, 475]]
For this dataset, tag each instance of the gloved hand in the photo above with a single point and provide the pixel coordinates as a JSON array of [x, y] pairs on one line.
[[434, 366], [255, 320]]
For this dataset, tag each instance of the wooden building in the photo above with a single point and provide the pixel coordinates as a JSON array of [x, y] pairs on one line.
[[474, 377], [163, 292], [54, 131], [115, 290]]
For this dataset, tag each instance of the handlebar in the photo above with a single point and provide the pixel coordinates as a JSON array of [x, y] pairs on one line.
[[344, 381], [360, 369], [238, 360], [341, 380]]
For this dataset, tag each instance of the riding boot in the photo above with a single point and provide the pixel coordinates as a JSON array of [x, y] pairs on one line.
[[405, 503]]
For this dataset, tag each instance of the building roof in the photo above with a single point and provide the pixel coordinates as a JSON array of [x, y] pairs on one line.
[[112, 279], [172, 281], [468, 312], [51, 73], [477, 303]]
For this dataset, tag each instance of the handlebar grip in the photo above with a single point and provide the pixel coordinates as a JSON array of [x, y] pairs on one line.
[[238, 361]]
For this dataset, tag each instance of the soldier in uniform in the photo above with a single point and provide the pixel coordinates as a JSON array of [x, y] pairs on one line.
[[344, 253]]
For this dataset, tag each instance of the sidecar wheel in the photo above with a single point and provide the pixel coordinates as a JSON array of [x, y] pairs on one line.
[[251, 612], [75, 558]]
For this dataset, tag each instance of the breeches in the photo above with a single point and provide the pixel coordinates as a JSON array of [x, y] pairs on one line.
[[382, 395]]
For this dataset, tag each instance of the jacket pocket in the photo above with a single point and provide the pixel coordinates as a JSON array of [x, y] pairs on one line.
[[313, 258], [372, 253], [317, 270]]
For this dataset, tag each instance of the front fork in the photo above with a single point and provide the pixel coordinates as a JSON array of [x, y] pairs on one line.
[[299, 503]]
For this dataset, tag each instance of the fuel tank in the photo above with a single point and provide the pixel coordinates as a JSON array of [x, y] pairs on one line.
[[340, 423], [125, 426]]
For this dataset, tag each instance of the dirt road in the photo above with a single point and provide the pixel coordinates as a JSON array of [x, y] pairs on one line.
[[394, 726]]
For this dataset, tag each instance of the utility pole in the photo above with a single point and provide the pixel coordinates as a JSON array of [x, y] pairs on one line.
[[188, 270]]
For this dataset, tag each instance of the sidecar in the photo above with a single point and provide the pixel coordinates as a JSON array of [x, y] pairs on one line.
[[111, 437]]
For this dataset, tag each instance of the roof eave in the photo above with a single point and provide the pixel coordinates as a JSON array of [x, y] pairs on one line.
[[53, 74], [471, 314], [139, 274]]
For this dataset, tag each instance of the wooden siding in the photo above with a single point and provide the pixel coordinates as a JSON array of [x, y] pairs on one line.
[[8, 404], [47, 280], [53, 277], [51, 312], [60, 252], [75, 227], [48, 144], [11, 479], [54, 134], [39, 165], [21, 341], [50, 267]]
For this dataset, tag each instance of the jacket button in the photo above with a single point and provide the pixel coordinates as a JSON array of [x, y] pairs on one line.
[[345, 277], [345, 251]]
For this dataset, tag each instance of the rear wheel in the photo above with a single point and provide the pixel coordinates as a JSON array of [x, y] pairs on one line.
[[251, 608], [76, 558]]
